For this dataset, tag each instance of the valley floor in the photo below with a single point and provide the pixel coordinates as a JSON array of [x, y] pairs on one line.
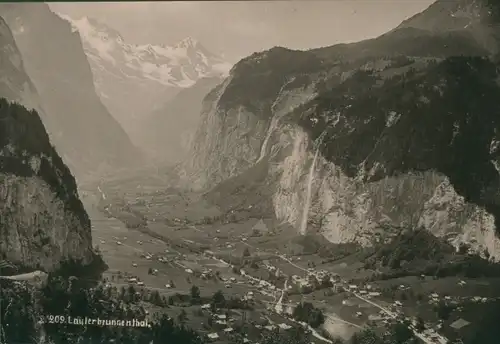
[[256, 261]]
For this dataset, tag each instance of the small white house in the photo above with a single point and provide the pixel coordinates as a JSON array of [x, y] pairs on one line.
[[284, 326], [213, 335]]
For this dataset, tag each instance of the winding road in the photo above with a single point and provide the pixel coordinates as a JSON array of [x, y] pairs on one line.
[[425, 339], [278, 308]]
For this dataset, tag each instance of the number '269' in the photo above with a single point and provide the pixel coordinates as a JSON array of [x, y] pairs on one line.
[[56, 319]]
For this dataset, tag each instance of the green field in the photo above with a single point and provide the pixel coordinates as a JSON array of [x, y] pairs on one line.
[[186, 230]]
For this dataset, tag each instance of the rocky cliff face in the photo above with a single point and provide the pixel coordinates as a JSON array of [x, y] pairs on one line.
[[14, 83], [354, 140], [166, 132], [42, 221], [83, 131]]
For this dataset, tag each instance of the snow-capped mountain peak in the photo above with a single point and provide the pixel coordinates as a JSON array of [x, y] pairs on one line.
[[179, 65], [188, 42], [131, 79]]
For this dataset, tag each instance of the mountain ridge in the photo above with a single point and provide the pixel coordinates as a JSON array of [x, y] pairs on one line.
[[42, 220], [131, 78], [167, 130], [16, 85], [359, 108], [88, 137], [196, 57]]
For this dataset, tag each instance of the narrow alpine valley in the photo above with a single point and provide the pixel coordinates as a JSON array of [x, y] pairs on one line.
[[162, 185]]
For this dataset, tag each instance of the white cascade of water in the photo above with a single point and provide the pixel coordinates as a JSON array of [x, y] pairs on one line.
[[103, 195], [270, 130], [307, 203]]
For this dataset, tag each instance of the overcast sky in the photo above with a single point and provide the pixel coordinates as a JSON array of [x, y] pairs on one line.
[[238, 29]]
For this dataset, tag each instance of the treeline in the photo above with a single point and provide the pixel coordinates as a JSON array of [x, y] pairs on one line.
[[315, 244], [483, 328], [22, 307], [448, 112], [419, 252], [216, 301], [410, 246], [24, 133], [396, 334], [306, 312]]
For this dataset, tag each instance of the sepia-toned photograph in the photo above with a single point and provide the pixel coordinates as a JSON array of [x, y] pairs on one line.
[[250, 172]]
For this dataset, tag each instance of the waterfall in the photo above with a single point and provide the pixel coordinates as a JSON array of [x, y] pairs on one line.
[[102, 193], [270, 130], [307, 203]]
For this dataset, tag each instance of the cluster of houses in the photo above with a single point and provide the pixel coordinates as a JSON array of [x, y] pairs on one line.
[[225, 320], [265, 285], [221, 320], [302, 282], [135, 280], [435, 298], [271, 268], [207, 274], [367, 291]]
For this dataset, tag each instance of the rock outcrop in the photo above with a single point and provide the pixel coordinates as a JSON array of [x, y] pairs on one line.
[[405, 126], [88, 138], [42, 221]]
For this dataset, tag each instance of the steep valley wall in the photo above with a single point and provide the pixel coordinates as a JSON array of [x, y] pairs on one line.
[[343, 208]]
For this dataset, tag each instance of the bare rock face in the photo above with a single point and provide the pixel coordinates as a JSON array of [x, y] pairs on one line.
[[165, 133], [37, 230], [88, 138], [364, 140], [14, 83], [42, 221]]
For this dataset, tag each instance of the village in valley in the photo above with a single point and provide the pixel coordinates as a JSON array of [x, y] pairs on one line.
[[231, 281]]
